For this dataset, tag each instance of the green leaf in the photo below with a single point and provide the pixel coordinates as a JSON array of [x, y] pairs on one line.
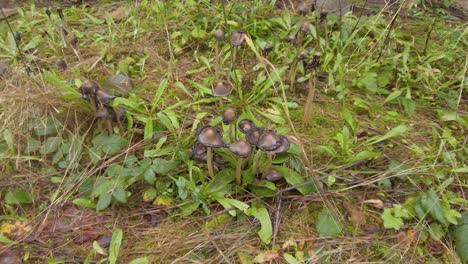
[[149, 195], [393, 96], [232, 203], [397, 131], [409, 105], [363, 155], [110, 145], [327, 225], [391, 221], [430, 202], [149, 128], [44, 128], [98, 248], [142, 260], [460, 238], [290, 259], [104, 201], [84, 203], [293, 178], [149, 176], [119, 195], [259, 211], [51, 145], [219, 182], [5, 240], [114, 246], [436, 231], [159, 93], [163, 167], [18, 196]]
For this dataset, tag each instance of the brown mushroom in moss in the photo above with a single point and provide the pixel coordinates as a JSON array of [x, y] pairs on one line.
[[229, 118], [88, 91], [273, 175], [245, 125], [268, 142], [211, 138], [242, 149], [221, 89], [313, 65], [108, 115], [104, 97]]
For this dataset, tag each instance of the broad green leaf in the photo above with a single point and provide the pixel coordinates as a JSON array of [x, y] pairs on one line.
[[163, 200], [293, 178], [351, 122], [114, 246], [51, 145], [232, 203], [110, 144], [149, 195], [259, 211], [397, 131], [69, 92], [290, 259], [159, 93], [244, 258], [46, 127], [163, 167], [391, 221], [149, 176], [149, 128], [104, 201], [430, 202], [119, 195], [460, 238], [363, 155], [327, 225], [393, 96], [18, 196], [219, 182], [142, 260], [84, 203], [5, 240], [436, 231], [98, 248], [409, 105]]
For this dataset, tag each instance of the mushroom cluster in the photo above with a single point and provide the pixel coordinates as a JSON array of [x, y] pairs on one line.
[[101, 102], [263, 140]]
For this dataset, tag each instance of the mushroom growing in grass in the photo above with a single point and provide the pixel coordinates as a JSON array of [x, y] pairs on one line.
[[253, 135], [273, 175], [104, 97], [108, 115], [88, 90], [219, 37], [229, 117], [221, 89], [237, 38], [211, 138], [242, 149], [313, 65], [246, 125], [268, 142]]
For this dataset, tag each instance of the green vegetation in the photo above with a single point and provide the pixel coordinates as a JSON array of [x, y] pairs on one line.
[[347, 139]]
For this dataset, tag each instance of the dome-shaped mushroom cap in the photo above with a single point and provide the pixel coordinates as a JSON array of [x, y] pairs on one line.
[[229, 116], [268, 47], [237, 37], [273, 175], [211, 137], [106, 113], [291, 39], [305, 27], [221, 89], [104, 97], [303, 8], [219, 35], [284, 147], [269, 141], [88, 88], [245, 125], [302, 56], [241, 148], [253, 135]]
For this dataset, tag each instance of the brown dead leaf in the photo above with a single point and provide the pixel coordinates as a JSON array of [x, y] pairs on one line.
[[118, 14], [356, 215]]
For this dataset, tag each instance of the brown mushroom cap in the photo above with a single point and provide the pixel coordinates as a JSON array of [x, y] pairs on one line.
[[253, 135], [268, 47], [303, 8], [237, 37], [106, 113], [291, 39], [273, 175], [88, 88], [210, 137], [241, 148], [284, 146], [229, 116], [302, 56], [305, 27], [221, 89], [104, 97], [269, 141], [219, 35], [245, 125]]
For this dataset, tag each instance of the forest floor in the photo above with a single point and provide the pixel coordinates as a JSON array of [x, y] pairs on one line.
[[372, 101]]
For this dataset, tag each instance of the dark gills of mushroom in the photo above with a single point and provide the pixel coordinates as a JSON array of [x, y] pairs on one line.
[[237, 37], [269, 141], [253, 135], [221, 89], [219, 35], [284, 146], [245, 125], [210, 137], [229, 116], [273, 175], [104, 97], [88, 89], [241, 148]]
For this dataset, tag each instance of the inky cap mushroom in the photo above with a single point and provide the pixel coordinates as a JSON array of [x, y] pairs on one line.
[[284, 146], [253, 135], [104, 97], [210, 137], [302, 56], [245, 125], [241, 148], [305, 27], [269, 141], [315, 61], [273, 175], [268, 47], [291, 39], [229, 116], [221, 89], [237, 37], [219, 35], [88, 89]]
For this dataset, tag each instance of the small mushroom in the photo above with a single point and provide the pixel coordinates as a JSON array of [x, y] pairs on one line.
[[199, 153], [229, 117], [273, 175], [268, 142], [242, 149], [284, 146], [210, 137], [315, 62], [305, 27], [268, 47], [88, 91], [245, 125], [108, 115], [104, 97], [313, 65], [61, 64], [291, 39], [253, 135], [237, 37], [221, 89], [302, 56], [303, 8], [219, 35]]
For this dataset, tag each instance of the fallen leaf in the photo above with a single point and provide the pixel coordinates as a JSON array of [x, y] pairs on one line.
[[16, 229], [375, 203]]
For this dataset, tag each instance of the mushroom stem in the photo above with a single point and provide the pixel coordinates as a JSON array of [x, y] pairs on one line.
[[268, 165], [234, 72], [231, 133], [209, 161], [217, 61], [238, 171], [109, 127], [310, 98], [258, 155], [93, 101]]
